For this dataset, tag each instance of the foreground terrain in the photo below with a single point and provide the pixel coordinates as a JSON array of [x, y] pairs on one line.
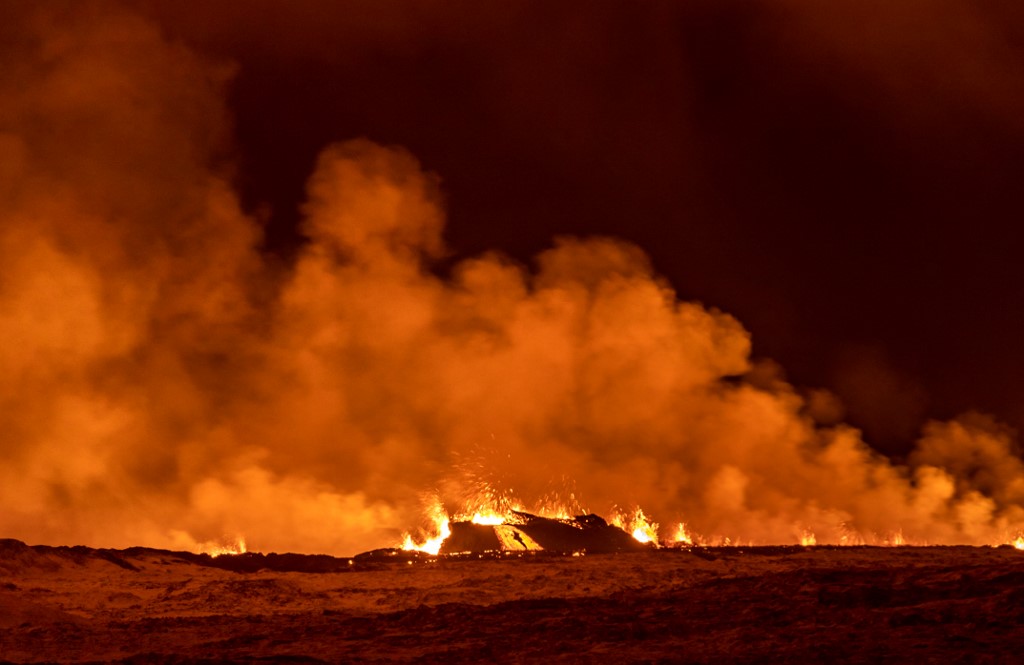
[[939, 604]]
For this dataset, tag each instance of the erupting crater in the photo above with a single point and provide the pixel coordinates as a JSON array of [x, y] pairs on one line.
[[518, 532], [525, 532]]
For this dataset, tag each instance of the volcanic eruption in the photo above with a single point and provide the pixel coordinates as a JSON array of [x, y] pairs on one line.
[[171, 383], [371, 419]]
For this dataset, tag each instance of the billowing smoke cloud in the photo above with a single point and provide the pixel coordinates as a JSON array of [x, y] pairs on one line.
[[165, 385]]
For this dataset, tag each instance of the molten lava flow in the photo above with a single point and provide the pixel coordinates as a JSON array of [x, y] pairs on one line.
[[682, 536], [510, 515], [504, 513], [514, 539], [441, 530], [897, 539], [220, 549], [489, 518], [638, 525], [430, 545]]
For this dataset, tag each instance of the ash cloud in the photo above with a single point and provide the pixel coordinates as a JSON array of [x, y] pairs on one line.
[[167, 385], [837, 175]]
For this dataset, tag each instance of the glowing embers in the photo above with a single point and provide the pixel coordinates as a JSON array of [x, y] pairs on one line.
[[488, 517], [894, 539], [441, 531], [503, 527], [639, 525], [681, 537], [215, 549], [481, 526], [583, 533], [519, 531]]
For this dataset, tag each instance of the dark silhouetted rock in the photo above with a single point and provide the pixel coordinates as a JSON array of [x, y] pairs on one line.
[[526, 532], [469, 537]]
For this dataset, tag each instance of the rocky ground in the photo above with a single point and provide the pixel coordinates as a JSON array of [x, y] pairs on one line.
[[853, 604]]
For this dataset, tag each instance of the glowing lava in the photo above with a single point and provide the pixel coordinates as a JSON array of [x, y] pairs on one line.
[[490, 518], [508, 515], [638, 525], [896, 539], [441, 530], [682, 535], [483, 513], [219, 549]]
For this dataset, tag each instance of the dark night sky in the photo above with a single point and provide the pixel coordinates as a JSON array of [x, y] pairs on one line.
[[843, 176]]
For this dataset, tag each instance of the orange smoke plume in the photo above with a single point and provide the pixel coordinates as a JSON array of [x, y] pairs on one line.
[[165, 384]]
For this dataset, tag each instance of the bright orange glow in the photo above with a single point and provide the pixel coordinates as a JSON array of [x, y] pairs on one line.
[[311, 419], [638, 525], [514, 539], [682, 536], [216, 550], [487, 518], [485, 511], [441, 530], [896, 539]]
